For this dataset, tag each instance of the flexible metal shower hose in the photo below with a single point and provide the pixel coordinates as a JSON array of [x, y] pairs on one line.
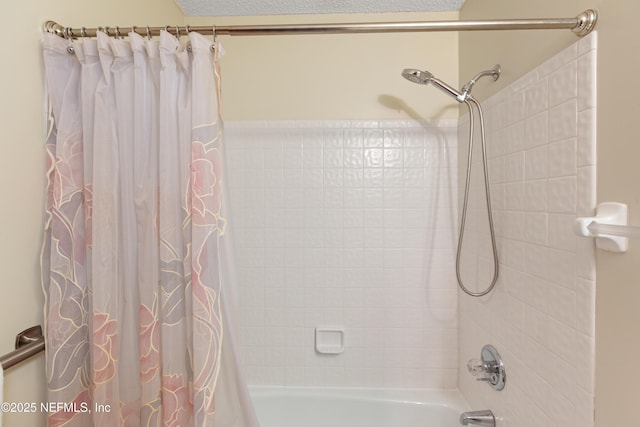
[[469, 100]]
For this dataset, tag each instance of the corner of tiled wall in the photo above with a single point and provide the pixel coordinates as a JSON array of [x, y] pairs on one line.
[[540, 317]]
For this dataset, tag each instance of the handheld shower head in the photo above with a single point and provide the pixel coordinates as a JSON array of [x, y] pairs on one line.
[[417, 76], [425, 77]]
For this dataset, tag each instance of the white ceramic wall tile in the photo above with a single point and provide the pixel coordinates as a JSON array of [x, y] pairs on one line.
[[587, 97], [563, 121], [562, 158], [351, 224], [536, 129], [586, 133], [563, 84], [535, 98], [545, 332]]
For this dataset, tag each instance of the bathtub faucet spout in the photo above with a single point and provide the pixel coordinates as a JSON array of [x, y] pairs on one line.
[[483, 418]]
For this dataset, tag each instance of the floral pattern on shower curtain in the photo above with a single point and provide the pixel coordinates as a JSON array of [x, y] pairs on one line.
[[131, 259]]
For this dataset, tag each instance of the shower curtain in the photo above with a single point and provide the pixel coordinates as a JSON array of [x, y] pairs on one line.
[[136, 263]]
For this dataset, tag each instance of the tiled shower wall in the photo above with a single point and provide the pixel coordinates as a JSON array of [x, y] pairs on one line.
[[346, 224], [540, 317]]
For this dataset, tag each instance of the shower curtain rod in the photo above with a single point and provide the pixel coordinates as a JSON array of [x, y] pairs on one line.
[[581, 25]]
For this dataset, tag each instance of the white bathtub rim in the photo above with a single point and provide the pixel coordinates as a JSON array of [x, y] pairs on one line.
[[450, 398]]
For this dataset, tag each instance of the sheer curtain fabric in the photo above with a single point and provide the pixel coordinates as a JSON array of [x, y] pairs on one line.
[[135, 259]]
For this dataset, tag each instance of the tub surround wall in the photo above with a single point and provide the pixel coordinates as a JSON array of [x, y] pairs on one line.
[[540, 317], [348, 224]]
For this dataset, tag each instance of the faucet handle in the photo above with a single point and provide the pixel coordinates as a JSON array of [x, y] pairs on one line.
[[482, 370], [489, 368], [476, 367]]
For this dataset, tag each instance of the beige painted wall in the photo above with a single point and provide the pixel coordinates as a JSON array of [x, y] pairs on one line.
[[618, 278], [315, 77], [22, 166]]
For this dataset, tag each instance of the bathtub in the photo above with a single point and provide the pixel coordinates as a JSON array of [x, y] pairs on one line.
[[339, 407]]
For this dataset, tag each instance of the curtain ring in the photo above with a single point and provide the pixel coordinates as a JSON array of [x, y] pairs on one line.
[[148, 32], [178, 32], [212, 48], [106, 31], [133, 29], [67, 35], [187, 29], [83, 32], [117, 36]]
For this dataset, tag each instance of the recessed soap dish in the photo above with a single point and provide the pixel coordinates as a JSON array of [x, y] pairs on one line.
[[329, 340]]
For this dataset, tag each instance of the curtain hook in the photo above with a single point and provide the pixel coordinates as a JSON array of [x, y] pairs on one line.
[[148, 32], [83, 32], [134, 29], [106, 31], [117, 36], [67, 35], [187, 29], [178, 37], [212, 48]]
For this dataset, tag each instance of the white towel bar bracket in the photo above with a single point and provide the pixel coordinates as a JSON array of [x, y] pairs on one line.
[[609, 227]]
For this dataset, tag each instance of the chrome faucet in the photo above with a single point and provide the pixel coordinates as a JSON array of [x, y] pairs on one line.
[[483, 418]]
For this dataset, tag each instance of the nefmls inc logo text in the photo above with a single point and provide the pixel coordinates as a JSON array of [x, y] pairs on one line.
[[75, 407], [52, 407]]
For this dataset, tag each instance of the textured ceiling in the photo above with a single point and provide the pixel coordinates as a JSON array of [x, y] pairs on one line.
[[291, 7]]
